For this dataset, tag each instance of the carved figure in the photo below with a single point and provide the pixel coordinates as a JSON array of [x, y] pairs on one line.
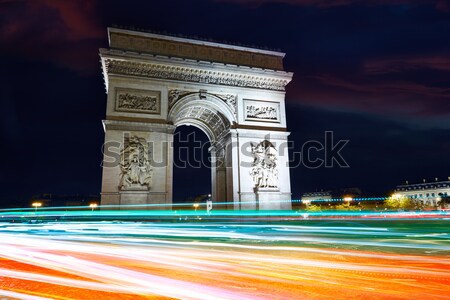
[[137, 102], [262, 112], [264, 170], [135, 166]]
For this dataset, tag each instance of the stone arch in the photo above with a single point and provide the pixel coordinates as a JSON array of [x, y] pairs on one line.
[[209, 112], [236, 103], [214, 117], [212, 122]]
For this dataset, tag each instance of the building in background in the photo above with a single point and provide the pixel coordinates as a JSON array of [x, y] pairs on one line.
[[307, 198], [430, 193], [324, 196]]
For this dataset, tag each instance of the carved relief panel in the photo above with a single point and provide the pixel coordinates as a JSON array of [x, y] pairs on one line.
[[136, 171], [138, 101], [265, 165], [261, 111]]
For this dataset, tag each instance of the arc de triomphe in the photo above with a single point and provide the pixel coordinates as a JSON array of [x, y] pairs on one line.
[[234, 94]]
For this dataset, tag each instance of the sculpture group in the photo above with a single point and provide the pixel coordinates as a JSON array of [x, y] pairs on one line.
[[264, 170], [135, 166]]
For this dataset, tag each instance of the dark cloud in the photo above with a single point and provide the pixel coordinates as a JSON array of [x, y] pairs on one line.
[[438, 4], [61, 32], [390, 97], [402, 64]]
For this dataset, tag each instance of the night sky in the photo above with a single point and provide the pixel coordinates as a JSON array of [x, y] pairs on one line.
[[376, 73]]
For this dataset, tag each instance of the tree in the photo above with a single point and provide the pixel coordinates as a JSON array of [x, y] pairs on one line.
[[313, 208], [444, 202], [347, 207], [401, 202]]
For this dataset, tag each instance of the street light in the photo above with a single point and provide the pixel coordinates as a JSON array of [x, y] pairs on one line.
[[93, 206], [36, 205], [396, 196], [348, 199], [196, 205]]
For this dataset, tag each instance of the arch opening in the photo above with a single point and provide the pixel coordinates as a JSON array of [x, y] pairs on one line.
[[202, 125], [192, 180]]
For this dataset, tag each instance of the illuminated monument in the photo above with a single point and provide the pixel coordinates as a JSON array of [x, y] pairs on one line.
[[234, 94]]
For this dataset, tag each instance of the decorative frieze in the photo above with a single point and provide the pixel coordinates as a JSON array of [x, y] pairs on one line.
[[160, 71], [261, 111], [229, 99], [140, 101]]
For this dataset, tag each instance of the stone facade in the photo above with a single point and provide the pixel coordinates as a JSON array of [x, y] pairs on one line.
[[155, 83], [429, 193]]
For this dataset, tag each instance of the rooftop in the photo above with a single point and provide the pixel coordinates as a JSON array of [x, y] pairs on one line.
[[172, 46], [424, 185]]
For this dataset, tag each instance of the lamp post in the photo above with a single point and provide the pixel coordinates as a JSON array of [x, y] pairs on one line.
[[93, 206], [36, 205], [196, 205], [348, 200], [396, 196]]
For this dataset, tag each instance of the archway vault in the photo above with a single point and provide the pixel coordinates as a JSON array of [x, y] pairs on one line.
[[214, 117], [207, 112]]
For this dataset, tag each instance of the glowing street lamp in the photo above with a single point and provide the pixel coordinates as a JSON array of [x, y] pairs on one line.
[[36, 205], [348, 199], [306, 202], [93, 206], [196, 205], [396, 196]]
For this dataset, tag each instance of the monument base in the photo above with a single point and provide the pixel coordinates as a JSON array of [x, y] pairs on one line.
[[265, 199], [272, 199], [138, 199]]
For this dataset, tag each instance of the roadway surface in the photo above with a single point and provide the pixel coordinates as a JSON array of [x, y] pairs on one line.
[[303, 259]]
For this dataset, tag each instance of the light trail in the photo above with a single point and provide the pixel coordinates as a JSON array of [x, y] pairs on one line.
[[140, 214], [310, 259], [178, 205]]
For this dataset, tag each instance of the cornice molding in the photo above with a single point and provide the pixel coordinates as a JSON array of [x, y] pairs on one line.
[[131, 125], [275, 81]]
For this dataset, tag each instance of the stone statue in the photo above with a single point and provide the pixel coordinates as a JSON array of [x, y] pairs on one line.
[[264, 170], [135, 167]]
